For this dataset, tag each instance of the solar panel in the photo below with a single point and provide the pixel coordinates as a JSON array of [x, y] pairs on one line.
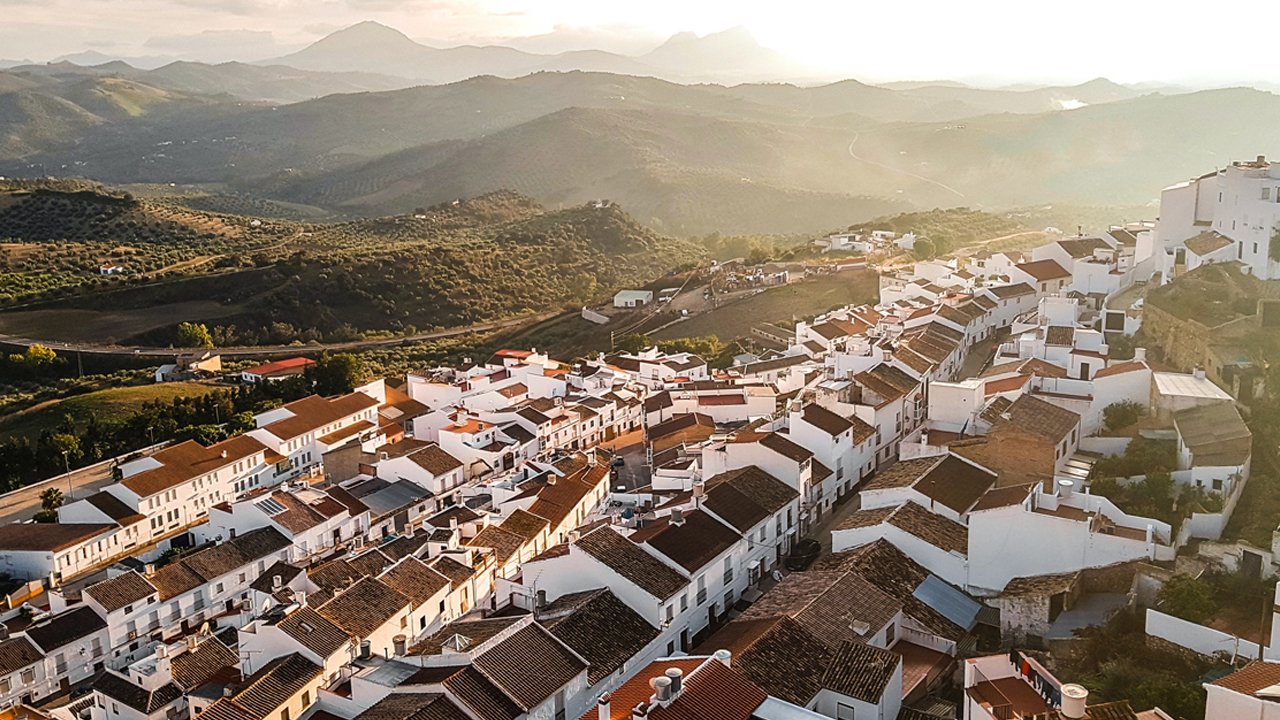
[[949, 602], [270, 506]]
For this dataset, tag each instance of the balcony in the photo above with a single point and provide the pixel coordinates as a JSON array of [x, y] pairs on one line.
[[996, 689]]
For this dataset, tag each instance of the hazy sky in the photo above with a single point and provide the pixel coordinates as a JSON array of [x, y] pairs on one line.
[[1126, 40]]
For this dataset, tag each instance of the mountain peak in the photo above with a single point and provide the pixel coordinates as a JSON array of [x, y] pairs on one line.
[[367, 31]]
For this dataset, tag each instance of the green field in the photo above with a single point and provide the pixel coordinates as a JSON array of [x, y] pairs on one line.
[[108, 406], [797, 301]]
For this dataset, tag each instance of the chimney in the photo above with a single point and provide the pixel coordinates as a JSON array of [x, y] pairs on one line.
[[661, 689], [1140, 354], [453, 523], [541, 599], [1262, 159], [1198, 372], [276, 582], [602, 707], [699, 492], [364, 650], [227, 691], [677, 517], [640, 711], [725, 657], [1075, 700], [676, 675], [301, 597], [162, 651], [149, 569], [399, 642]]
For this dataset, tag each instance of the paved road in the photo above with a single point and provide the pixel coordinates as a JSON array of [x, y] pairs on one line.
[[275, 350], [22, 503], [900, 171]]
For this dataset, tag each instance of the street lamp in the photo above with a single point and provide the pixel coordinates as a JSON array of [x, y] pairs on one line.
[[66, 463]]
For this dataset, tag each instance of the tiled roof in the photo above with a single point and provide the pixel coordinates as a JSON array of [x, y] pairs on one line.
[[889, 569], [529, 665], [66, 627], [955, 483], [435, 460], [833, 606], [124, 589], [1031, 414], [335, 575], [746, 497], [474, 632], [17, 653], [314, 412], [195, 667], [1043, 270], [903, 473], [204, 566], [931, 527], [1059, 335], [1004, 497], [505, 544], [1215, 434], [112, 507], [825, 420], [189, 460], [414, 706], [315, 632], [713, 692], [524, 525], [692, 543], [458, 573], [631, 562], [480, 695], [678, 423], [637, 690], [598, 626], [1207, 242], [864, 518], [271, 687], [1248, 680], [49, 537], [1006, 292], [264, 583], [364, 607], [121, 690], [411, 578], [783, 445], [778, 654], [1121, 368], [861, 671]]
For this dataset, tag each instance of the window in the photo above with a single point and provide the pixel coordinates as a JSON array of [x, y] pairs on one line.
[[284, 714], [889, 633], [28, 676], [306, 698], [684, 601]]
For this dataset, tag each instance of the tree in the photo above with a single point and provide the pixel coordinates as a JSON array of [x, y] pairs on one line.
[[924, 248], [337, 374], [1188, 598], [50, 500], [37, 355], [194, 335], [1121, 414]]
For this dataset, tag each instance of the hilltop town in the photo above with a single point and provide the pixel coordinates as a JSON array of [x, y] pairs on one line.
[[918, 508]]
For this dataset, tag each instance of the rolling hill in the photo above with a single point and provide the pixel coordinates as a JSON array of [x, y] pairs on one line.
[[486, 258]]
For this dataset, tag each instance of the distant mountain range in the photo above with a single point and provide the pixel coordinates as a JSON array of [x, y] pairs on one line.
[[729, 56], [367, 121]]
